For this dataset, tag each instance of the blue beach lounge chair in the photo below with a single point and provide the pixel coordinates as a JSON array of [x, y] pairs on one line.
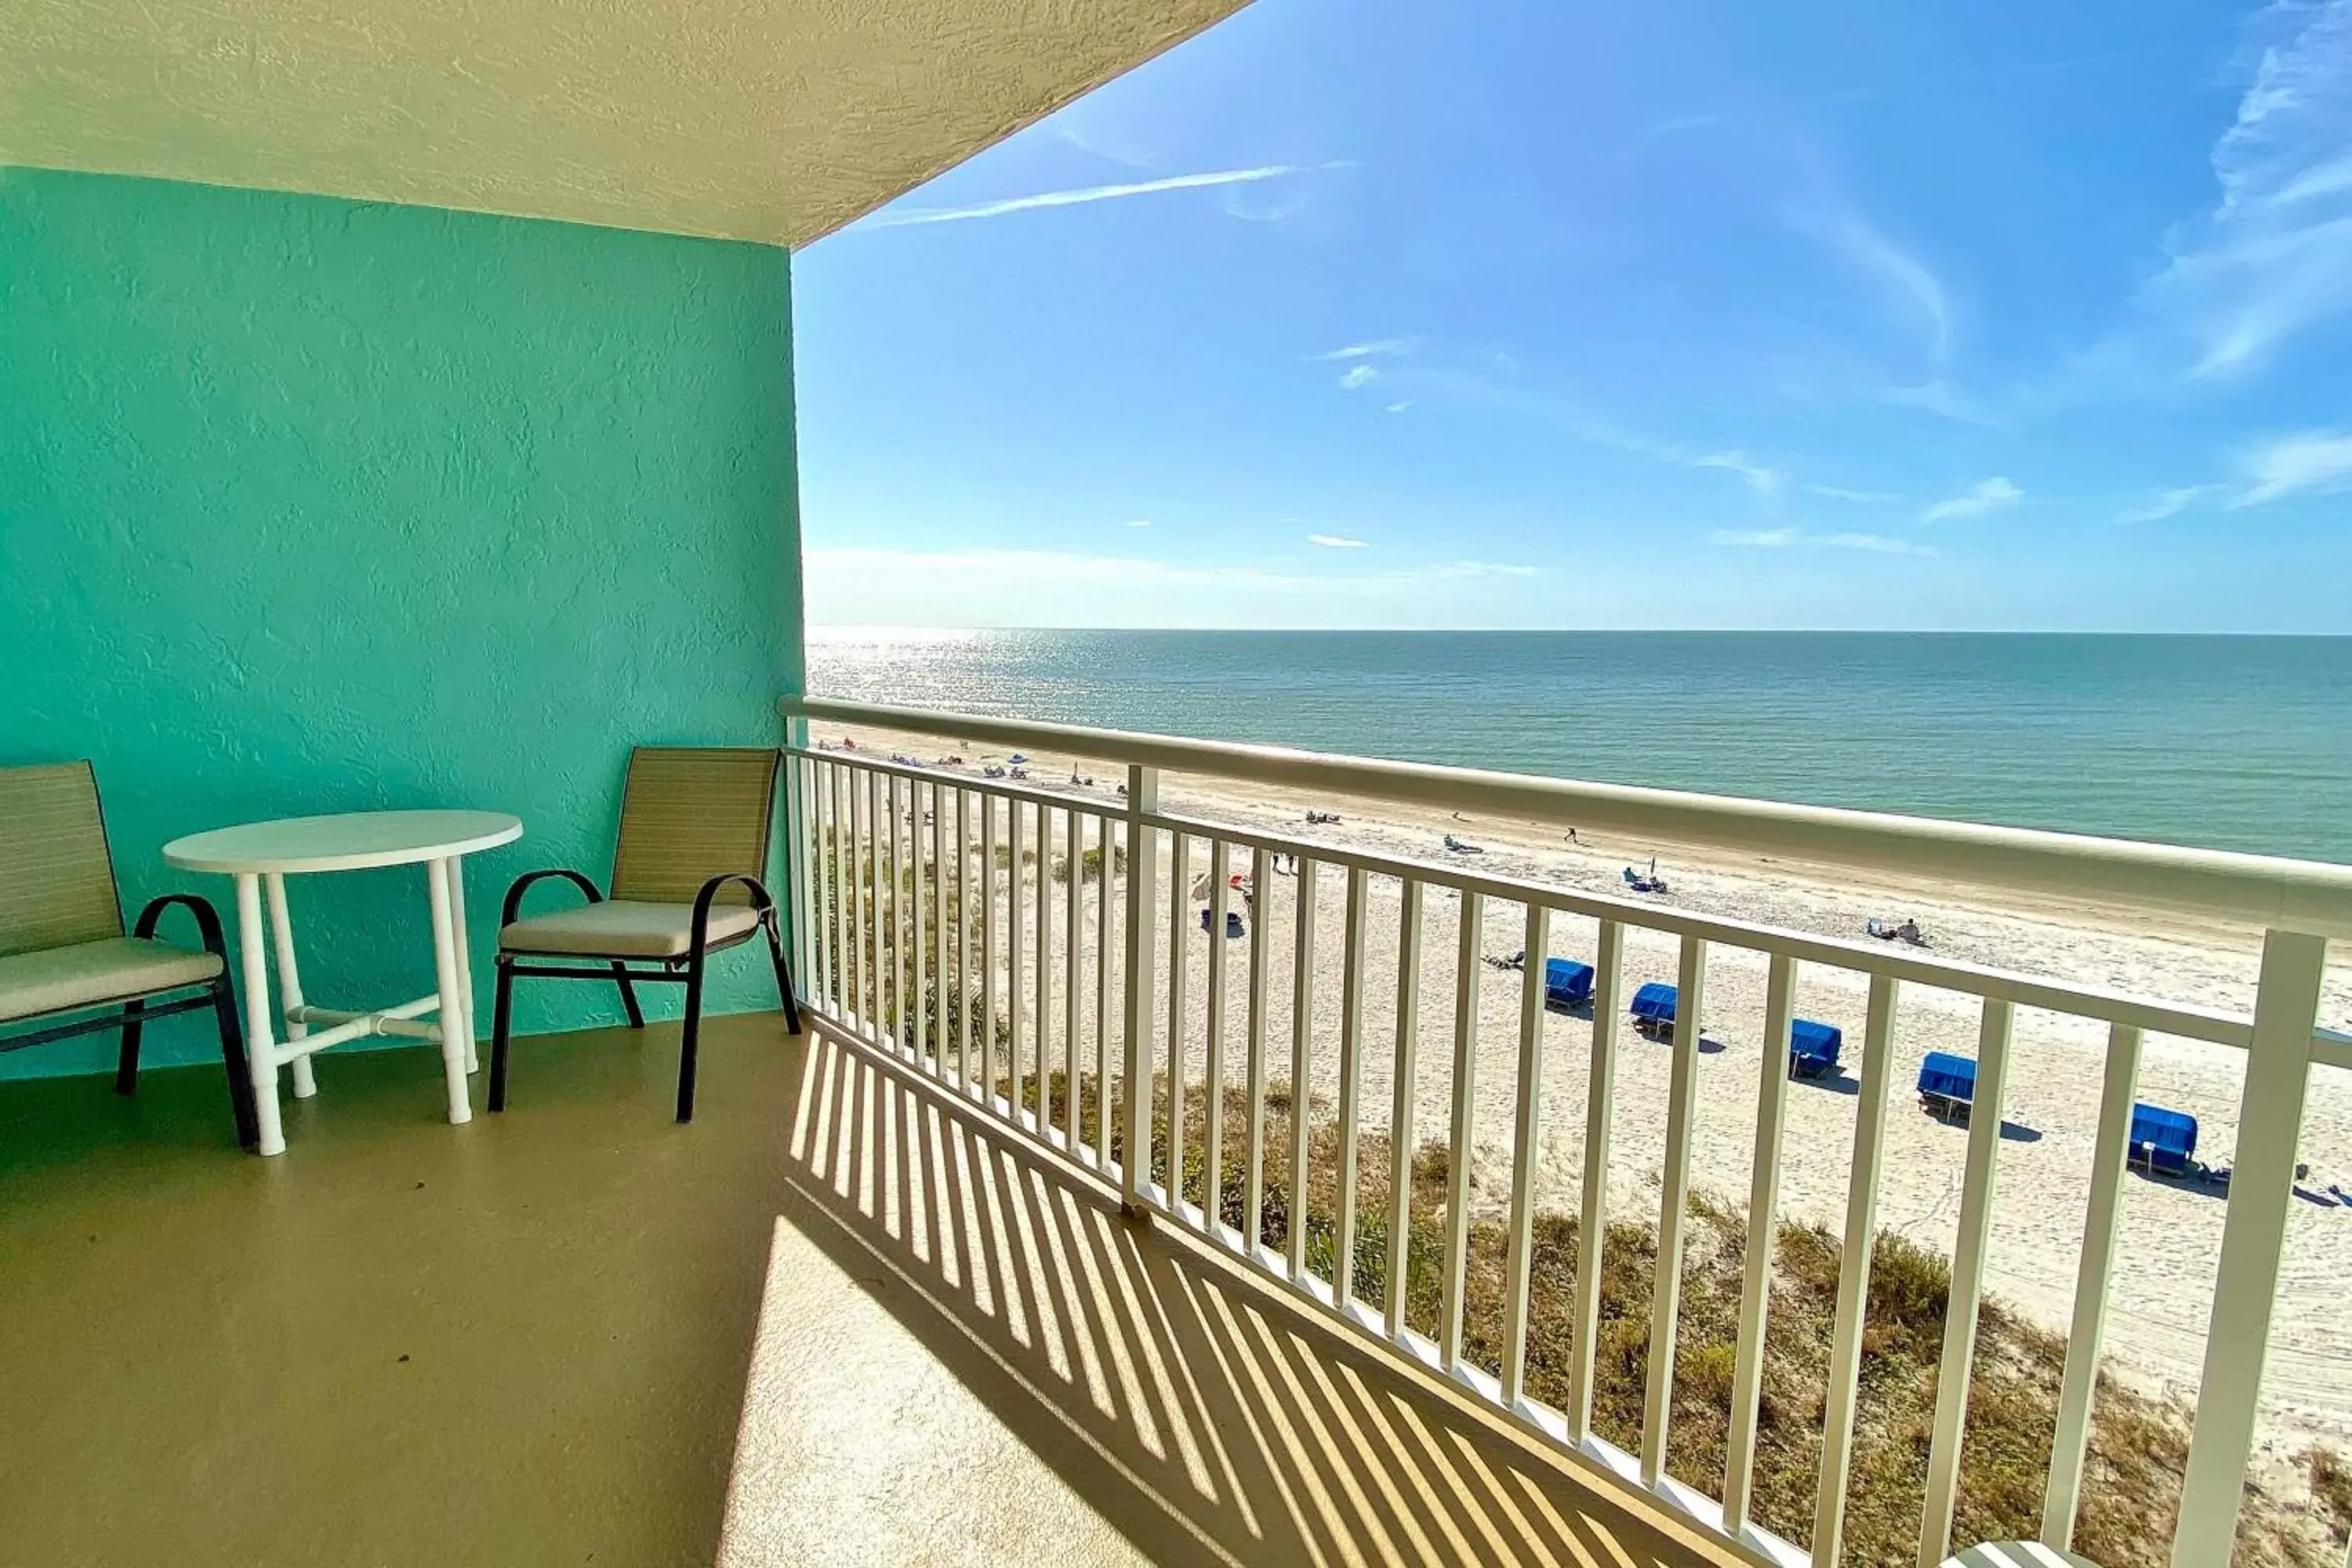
[[1654, 1010], [2164, 1142], [1947, 1084], [1814, 1049], [1566, 984]]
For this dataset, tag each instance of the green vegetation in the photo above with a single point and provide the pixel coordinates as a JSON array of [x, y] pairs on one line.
[[2139, 1444]]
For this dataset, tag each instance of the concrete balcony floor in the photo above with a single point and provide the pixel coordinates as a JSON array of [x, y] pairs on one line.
[[841, 1319]]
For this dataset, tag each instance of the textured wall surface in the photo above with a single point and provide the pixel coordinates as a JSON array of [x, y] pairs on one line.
[[766, 120], [312, 506]]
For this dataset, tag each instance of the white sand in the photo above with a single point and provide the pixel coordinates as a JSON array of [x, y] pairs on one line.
[[2170, 1237]]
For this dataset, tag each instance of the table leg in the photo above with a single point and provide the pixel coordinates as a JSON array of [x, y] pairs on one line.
[[465, 956], [452, 1014], [260, 1047], [289, 981]]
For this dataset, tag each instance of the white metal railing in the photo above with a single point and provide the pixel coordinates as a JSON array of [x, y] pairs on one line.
[[901, 904]]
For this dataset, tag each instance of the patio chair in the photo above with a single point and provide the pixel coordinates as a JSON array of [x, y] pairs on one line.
[[685, 884], [62, 949]]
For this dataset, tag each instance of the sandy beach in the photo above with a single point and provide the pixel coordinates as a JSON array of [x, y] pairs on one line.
[[2171, 1237]]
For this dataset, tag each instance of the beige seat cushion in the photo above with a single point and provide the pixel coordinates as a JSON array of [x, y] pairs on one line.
[[624, 928], [89, 973]]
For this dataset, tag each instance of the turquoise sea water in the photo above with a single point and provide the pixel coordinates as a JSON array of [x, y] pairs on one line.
[[2232, 743]]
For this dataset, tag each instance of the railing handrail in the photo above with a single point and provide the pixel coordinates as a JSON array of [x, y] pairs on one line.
[[2273, 892]]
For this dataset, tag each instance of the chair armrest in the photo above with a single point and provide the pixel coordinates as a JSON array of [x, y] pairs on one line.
[[761, 902], [208, 924], [513, 905]]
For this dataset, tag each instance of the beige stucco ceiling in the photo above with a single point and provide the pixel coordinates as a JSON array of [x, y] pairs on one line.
[[767, 119]]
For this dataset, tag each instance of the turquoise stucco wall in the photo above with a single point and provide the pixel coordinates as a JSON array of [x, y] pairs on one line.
[[311, 505]]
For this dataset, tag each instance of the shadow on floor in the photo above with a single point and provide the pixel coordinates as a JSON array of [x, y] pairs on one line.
[[1204, 1415]]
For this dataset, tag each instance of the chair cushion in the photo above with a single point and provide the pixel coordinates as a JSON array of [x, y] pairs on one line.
[[88, 973], [625, 928]]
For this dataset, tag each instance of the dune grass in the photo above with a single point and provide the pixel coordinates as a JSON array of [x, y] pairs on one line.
[[2138, 1446]]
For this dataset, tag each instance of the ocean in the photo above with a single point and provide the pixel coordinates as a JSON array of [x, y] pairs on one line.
[[2229, 742]]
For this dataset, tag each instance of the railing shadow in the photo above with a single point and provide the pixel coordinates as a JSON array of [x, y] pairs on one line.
[[1204, 1414]]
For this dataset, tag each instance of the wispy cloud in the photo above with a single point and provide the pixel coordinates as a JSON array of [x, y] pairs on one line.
[[1984, 496], [1378, 348], [1839, 492], [1583, 425], [1400, 406], [2274, 256], [1358, 375], [900, 217], [1898, 274], [1798, 539], [2314, 461], [1938, 396], [1761, 480], [1138, 523], [1336, 542], [2165, 503], [1454, 569]]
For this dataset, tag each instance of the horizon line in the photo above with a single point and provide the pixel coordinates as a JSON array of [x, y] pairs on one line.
[[1588, 631]]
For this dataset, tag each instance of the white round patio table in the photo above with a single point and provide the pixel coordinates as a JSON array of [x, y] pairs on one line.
[[262, 855]]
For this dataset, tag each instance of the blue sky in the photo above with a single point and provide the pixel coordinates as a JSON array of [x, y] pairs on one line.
[[1999, 316]]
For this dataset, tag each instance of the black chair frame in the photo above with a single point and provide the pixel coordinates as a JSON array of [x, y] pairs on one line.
[[686, 969], [217, 993]]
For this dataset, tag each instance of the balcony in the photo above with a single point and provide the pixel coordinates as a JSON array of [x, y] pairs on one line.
[[903, 1262], [845, 1317]]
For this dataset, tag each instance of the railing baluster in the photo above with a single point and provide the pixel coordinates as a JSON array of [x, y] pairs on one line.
[[2078, 1387], [1142, 870], [822, 866], [2261, 1187], [1106, 846], [861, 831], [1351, 1077], [878, 1016], [1045, 1026], [1853, 1274], [920, 936], [963, 935], [1013, 988], [1593, 1222], [939, 931], [845, 995], [1213, 1111], [1674, 1206], [907, 928], [1763, 1209], [1180, 854], [1253, 1092], [862, 1013], [1527, 1128], [1302, 1039], [1401, 1100], [1074, 946], [892, 878], [987, 948], [1967, 1285], [1467, 968]]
